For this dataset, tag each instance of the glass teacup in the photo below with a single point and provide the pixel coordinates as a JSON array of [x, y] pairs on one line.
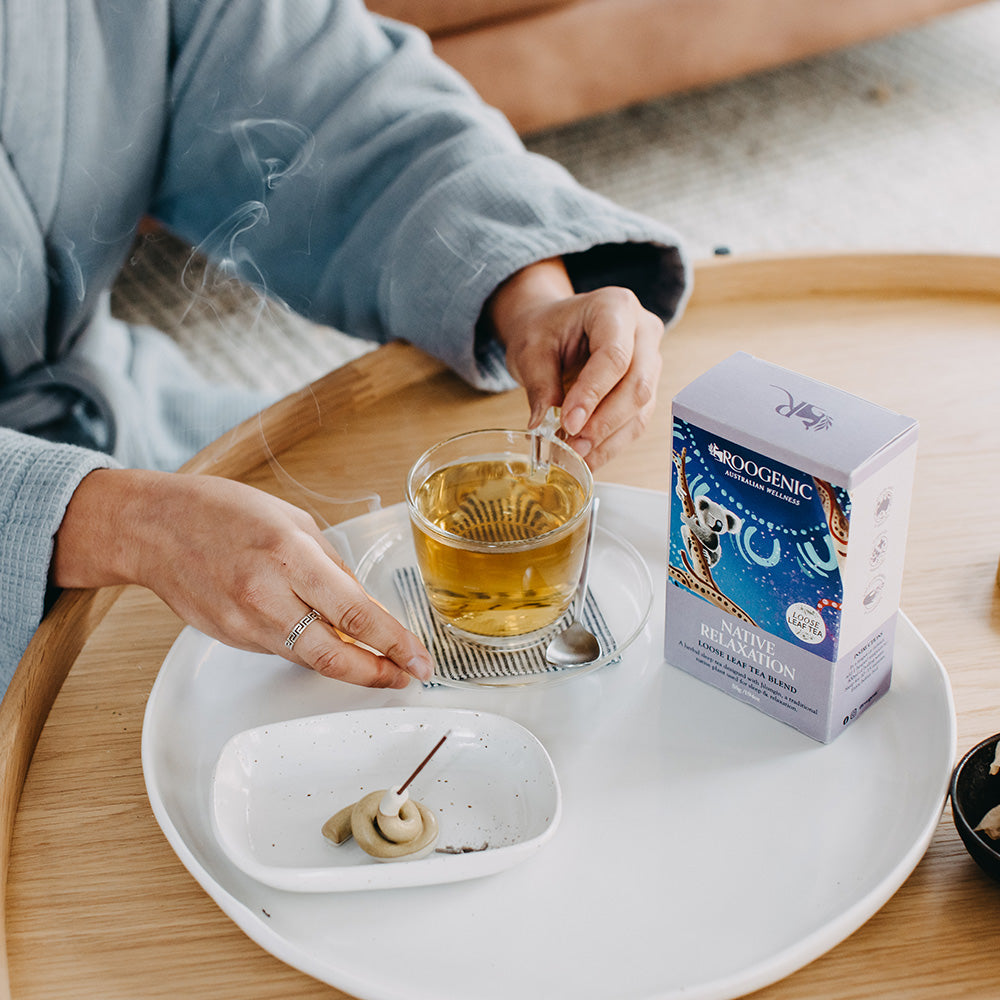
[[500, 522]]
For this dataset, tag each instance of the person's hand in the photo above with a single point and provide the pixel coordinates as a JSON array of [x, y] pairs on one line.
[[236, 563], [595, 354]]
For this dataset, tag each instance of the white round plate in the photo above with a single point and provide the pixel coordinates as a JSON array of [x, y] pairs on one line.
[[754, 849], [491, 787]]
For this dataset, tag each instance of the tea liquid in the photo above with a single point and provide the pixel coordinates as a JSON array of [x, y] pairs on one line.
[[501, 575]]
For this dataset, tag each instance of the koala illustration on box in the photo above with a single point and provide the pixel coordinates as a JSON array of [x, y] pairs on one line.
[[709, 521]]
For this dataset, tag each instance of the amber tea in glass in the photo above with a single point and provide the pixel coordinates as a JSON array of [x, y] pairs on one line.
[[499, 524]]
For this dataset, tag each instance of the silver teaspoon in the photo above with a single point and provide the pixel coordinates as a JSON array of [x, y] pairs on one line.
[[576, 645]]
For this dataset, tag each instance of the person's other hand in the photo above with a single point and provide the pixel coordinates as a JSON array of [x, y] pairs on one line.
[[596, 354], [236, 563]]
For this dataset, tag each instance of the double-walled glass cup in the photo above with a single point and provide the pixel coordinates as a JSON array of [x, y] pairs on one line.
[[500, 522]]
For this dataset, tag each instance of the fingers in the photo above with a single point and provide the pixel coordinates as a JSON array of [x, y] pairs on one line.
[[334, 653], [610, 325], [359, 641], [540, 372], [605, 448], [611, 401], [356, 639]]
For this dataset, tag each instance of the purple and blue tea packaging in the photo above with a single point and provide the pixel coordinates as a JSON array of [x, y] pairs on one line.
[[788, 516]]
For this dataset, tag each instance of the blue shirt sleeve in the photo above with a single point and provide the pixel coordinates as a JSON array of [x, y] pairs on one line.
[[38, 480], [329, 157]]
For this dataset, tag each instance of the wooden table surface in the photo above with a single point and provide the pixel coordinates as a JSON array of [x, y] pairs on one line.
[[98, 904]]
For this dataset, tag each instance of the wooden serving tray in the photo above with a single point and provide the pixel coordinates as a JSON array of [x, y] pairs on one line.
[[97, 905]]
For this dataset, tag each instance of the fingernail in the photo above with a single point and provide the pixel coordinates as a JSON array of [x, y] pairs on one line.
[[582, 447], [420, 667], [574, 420]]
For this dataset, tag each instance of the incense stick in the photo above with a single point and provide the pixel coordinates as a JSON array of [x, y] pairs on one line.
[[420, 766]]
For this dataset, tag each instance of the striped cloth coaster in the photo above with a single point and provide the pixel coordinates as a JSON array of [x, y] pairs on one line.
[[459, 660]]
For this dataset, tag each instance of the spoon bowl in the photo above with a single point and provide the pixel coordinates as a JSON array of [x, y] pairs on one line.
[[577, 645]]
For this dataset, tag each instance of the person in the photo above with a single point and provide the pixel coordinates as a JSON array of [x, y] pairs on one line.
[[324, 155]]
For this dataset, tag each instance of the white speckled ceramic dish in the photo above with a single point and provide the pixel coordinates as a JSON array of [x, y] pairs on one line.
[[491, 786]]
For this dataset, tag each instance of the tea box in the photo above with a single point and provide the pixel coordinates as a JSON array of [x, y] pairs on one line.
[[788, 515]]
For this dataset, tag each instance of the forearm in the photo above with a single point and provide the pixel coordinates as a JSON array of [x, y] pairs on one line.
[[95, 545]]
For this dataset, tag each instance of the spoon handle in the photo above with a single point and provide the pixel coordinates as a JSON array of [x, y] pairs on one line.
[[581, 590]]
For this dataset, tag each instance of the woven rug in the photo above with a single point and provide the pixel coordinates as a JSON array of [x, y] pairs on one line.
[[893, 145]]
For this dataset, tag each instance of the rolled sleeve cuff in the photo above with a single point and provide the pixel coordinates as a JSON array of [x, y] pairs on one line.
[[38, 480]]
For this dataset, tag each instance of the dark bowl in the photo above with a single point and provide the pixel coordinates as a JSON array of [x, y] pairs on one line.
[[974, 792]]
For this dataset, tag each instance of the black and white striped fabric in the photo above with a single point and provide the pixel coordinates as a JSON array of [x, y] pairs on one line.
[[459, 660]]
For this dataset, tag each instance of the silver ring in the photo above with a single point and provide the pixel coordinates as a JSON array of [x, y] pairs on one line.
[[300, 627]]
